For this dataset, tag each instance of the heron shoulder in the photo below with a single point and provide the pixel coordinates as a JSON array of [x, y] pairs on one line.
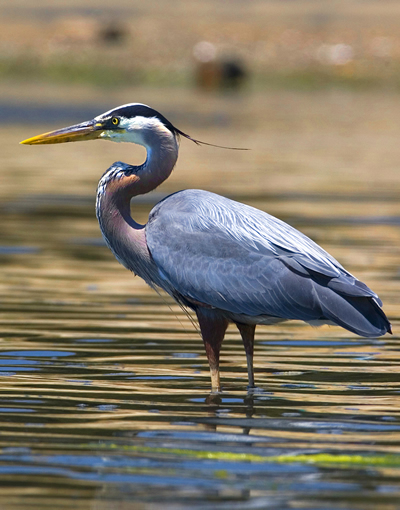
[[197, 210]]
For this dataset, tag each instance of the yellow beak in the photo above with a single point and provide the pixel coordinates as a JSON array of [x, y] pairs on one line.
[[89, 130]]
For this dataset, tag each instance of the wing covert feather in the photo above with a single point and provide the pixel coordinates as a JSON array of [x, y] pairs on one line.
[[234, 257]]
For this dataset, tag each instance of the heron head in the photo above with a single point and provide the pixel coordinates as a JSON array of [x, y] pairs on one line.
[[133, 122], [128, 123]]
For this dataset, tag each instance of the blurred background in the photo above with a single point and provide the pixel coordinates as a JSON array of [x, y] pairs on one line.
[[312, 88], [304, 84]]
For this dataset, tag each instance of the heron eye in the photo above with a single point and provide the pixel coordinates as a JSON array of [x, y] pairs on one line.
[[115, 121]]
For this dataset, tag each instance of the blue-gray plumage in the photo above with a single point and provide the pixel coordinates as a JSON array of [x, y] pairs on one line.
[[227, 261], [253, 266]]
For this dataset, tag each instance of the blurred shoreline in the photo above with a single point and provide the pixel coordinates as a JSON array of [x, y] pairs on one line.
[[294, 44]]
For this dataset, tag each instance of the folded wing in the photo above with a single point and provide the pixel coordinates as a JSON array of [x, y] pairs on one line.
[[236, 258]]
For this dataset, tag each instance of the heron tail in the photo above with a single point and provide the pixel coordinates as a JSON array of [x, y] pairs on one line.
[[358, 314]]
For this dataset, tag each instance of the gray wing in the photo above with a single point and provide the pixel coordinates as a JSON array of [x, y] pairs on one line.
[[237, 258]]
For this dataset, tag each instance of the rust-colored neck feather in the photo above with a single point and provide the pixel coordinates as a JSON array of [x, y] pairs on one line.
[[119, 184]]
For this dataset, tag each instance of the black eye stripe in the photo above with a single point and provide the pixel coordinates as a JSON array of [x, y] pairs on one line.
[[141, 110]]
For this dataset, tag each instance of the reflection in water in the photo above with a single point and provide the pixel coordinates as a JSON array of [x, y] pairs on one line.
[[105, 389], [104, 399]]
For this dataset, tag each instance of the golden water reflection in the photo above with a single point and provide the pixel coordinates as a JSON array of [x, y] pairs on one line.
[[93, 364]]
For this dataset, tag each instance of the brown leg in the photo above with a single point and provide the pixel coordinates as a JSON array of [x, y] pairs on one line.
[[212, 327], [247, 332]]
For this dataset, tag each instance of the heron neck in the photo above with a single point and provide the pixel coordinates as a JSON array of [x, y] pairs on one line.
[[124, 236], [122, 181], [162, 154]]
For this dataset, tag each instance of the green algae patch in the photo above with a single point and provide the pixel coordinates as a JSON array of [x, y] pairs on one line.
[[341, 460], [322, 459]]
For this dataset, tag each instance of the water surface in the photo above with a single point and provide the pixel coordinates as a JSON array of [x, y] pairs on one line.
[[104, 399]]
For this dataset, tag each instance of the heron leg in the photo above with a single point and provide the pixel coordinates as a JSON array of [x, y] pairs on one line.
[[247, 333], [212, 327]]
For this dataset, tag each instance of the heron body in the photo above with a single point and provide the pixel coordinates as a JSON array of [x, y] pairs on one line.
[[229, 262]]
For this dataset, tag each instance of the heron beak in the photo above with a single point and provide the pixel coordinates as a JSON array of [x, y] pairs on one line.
[[89, 130]]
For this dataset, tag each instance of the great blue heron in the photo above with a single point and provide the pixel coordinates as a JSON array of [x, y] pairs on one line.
[[226, 261]]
